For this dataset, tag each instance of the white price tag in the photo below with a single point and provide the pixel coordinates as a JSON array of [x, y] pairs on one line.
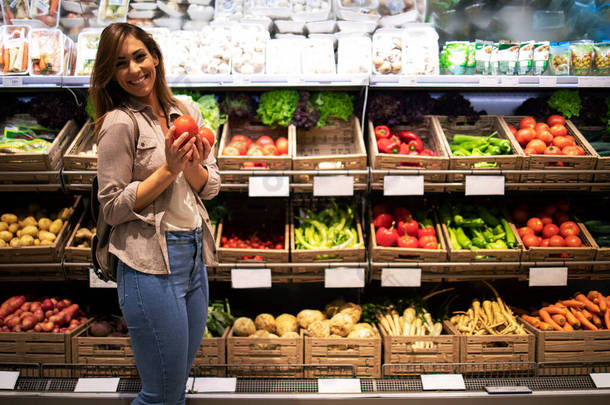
[[8, 379], [215, 384], [510, 81], [251, 278], [594, 81], [12, 81], [400, 277], [547, 81], [484, 185], [517, 389], [601, 380], [344, 278], [433, 382], [488, 81], [189, 384], [407, 81], [97, 385], [96, 282], [328, 186], [338, 385], [548, 276], [268, 186], [403, 185]]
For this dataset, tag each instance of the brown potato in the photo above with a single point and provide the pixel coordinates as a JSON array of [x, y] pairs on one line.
[[14, 242], [45, 243], [30, 230], [26, 240], [29, 221], [9, 218], [3, 243], [3, 226], [56, 226], [13, 228], [46, 235], [6, 236], [44, 224]]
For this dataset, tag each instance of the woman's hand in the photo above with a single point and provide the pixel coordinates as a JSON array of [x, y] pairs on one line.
[[178, 156], [201, 150]]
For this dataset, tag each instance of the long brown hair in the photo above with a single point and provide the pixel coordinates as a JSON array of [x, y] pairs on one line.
[[106, 93]]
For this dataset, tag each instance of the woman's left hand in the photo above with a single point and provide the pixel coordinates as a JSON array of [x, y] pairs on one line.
[[201, 151]]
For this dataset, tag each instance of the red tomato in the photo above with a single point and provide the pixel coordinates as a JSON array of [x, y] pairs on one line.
[[408, 241], [525, 135], [531, 240], [207, 134], [282, 145], [264, 140], [573, 150], [555, 120], [401, 213], [270, 149], [544, 243], [553, 150], [562, 141], [560, 217], [230, 151], [386, 237], [241, 138], [541, 126], [512, 129], [535, 224], [527, 122], [520, 215], [241, 146], [529, 151], [255, 150], [536, 144], [559, 130], [545, 136], [569, 228], [185, 123], [573, 241], [546, 219], [525, 231], [384, 220], [556, 241], [427, 239], [549, 230]]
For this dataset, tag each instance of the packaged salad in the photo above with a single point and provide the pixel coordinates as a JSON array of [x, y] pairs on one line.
[[46, 11], [560, 58], [582, 56], [46, 52], [15, 50], [111, 11], [455, 57], [482, 55], [541, 57], [508, 56], [87, 44], [526, 57], [470, 61], [601, 58]]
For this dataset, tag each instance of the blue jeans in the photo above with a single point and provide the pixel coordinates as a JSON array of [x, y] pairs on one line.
[[166, 316]]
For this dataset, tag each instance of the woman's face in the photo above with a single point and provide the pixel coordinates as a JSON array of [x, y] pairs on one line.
[[135, 69]]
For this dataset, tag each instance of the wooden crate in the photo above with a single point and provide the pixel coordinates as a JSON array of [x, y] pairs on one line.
[[545, 162], [601, 254], [399, 350], [75, 160], [484, 126], [499, 353], [363, 354], [339, 146], [50, 160], [253, 130], [603, 162], [430, 133], [118, 351], [72, 253], [563, 348], [264, 357], [50, 253]]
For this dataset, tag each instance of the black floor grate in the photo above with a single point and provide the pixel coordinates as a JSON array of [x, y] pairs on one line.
[[277, 385], [31, 384], [129, 386], [399, 385]]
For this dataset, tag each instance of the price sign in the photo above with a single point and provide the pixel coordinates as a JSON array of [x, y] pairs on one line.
[[189, 384], [520, 389], [8, 379], [97, 385], [400, 277], [12, 81], [484, 185], [338, 385], [251, 278], [510, 81], [601, 380], [489, 81], [96, 282], [403, 185], [215, 384], [328, 186], [344, 278], [268, 186], [593, 81], [547, 81], [434, 382], [548, 276], [407, 81]]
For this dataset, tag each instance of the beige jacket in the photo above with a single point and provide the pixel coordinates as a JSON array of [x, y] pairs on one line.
[[138, 238]]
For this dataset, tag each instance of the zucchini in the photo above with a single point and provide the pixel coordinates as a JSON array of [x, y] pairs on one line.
[[601, 146], [598, 227]]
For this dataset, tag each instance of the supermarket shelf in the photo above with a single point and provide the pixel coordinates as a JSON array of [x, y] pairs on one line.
[[469, 81], [35, 82]]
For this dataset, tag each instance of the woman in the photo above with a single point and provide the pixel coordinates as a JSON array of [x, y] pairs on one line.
[[150, 191]]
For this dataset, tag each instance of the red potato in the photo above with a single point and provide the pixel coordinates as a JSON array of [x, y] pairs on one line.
[[47, 304], [36, 305], [14, 321], [39, 315], [47, 326], [16, 328], [48, 313], [11, 305], [28, 322], [26, 306], [38, 327]]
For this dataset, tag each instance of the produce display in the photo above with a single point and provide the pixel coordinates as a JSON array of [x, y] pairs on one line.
[[600, 230], [241, 145], [581, 312], [330, 228], [219, 318], [412, 322], [84, 236], [36, 228], [50, 315], [550, 138], [398, 227], [472, 145], [238, 237], [477, 227], [401, 143]]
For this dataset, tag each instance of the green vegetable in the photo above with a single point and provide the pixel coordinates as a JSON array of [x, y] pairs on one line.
[[472, 145], [90, 109], [219, 318], [598, 227], [567, 102], [211, 112], [331, 228], [332, 104], [277, 107]]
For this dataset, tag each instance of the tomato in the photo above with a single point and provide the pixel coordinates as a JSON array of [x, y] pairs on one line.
[[524, 230], [527, 122], [559, 130], [230, 151], [270, 149], [264, 140], [553, 150], [546, 219], [520, 215], [537, 145], [555, 120], [561, 141], [401, 213], [573, 241], [379, 208], [241, 138], [255, 150], [185, 123], [282, 145], [531, 240], [525, 135], [386, 237], [529, 151], [574, 150], [535, 224], [541, 126], [248, 165], [408, 241], [513, 129], [556, 241], [560, 218], [426, 240], [241, 146], [545, 136], [550, 230], [544, 243], [569, 228]]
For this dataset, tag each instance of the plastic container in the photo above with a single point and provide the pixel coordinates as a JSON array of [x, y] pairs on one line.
[[111, 11], [354, 55], [198, 12], [387, 52], [143, 6], [397, 13], [14, 12], [215, 56], [318, 56], [331, 37], [601, 58], [46, 11], [357, 10], [288, 27], [173, 24], [420, 48], [249, 42], [142, 14], [86, 46], [270, 8], [284, 56], [184, 55], [46, 52], [357, 26], [560, 58], [311, 10], [76, 7], [72, 23], [171, 8], [228, 10], [15, 43], [541, 57], [321, 27], [582, 57]]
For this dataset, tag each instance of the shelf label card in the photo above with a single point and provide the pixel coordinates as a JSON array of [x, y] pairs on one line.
[[601, 380], [251, 278], [403, 185], [593, 81], [328, 186], [215, 384], [189, 384], [407, 277], [434, 382], [547, 81], [12, 81], [510, 81], [97, 385], [8, 379], [344, 277], [96, 282], [268, 186], [548, 276], [489, 81], [338, 385], [407, 80], [484, 185], [518, 389]]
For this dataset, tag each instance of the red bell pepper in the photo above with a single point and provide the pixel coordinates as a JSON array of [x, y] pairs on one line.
[[416, 144], [387, 145], [428, 152], [404, 149], [381, 131], [407, 136]]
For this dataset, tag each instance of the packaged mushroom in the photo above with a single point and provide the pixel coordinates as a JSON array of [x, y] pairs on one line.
[[396, 13], [318, 56], [284, 56], [387, 52], [420, 50], [310, 10], [249, 42], [15, 49], [354, 54], [183, 57], [357, 10], [216, 50]]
